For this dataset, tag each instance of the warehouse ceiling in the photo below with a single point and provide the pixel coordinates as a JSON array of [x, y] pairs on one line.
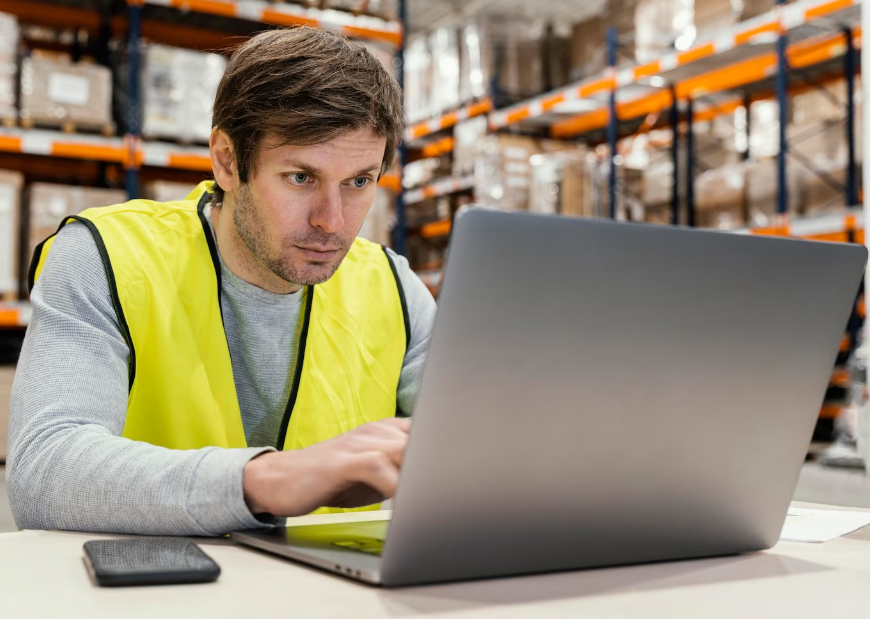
[[427, 14]]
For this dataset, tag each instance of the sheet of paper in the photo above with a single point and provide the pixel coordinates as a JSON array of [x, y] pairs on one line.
[[816, 525]]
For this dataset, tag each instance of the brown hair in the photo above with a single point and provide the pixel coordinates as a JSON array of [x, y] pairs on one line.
[[304, 86]]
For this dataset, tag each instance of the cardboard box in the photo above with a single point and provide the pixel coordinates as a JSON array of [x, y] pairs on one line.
[[179, 88], [376, 227], [720, 195], [822, 194], [56, 91], [167, 191], [8, 65], [761, 191], [589, 39], [562, 184], [10, 218], [418, 68], [503, 169], [466, 135], [50, 204]]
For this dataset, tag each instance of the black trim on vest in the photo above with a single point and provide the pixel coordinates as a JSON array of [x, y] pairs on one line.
[[405, 315], [297, 374], [110, 276], [212, 246]]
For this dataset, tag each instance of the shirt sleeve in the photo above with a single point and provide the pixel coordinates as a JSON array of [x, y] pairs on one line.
[[421, 313], [68, 466]]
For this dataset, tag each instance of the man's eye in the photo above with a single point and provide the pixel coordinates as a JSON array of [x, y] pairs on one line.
[[299, 178], [360, 182]]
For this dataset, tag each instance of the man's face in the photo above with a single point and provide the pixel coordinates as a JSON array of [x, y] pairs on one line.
[[303, 206]]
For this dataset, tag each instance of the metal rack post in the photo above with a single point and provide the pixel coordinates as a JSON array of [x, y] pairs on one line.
[[690, 161], [134, 33], [612, 120], [849, 66], [400, 229], [782, 100], [675, 157]]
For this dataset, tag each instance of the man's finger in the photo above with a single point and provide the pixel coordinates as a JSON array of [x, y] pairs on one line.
[[376, 469]]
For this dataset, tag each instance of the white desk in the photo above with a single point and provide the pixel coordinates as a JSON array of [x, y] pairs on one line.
[[42, 575]]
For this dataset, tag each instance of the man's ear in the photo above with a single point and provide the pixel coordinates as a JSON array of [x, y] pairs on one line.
[[223, 160]]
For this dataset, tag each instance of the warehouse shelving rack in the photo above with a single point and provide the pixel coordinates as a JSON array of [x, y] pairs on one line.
[[130, 151], [809, 35]]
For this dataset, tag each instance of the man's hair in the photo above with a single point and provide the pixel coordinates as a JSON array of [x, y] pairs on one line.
[[304, 86]]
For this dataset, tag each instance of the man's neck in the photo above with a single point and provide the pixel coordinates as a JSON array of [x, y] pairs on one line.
[[238, 257]]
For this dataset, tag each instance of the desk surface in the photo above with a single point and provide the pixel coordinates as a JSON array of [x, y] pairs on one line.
[[42, 575]]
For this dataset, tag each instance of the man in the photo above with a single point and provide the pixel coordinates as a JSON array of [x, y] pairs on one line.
[[208, 365]]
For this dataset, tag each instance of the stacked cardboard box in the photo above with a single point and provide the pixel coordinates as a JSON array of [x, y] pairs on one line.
[[179, 87], [720, 195], [589, 38], [8, 66], [167, 191], [58, 92], [466, 135], [377, 224], [418, 68], [502, 171], [50, 204], [10, 216]]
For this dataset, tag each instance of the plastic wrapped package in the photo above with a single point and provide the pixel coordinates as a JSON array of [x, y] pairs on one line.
[[444, 50], [712, 16], [57, 92], [167, 191], [8, 65], [466, 135], [50, 204], [502, 171], [179, 88], [764, 129], [10, 214], [378, 222], [473, 73], [562, 184], [424, 171], [418, 62], [822, 194], [720, 197], [662, 26]]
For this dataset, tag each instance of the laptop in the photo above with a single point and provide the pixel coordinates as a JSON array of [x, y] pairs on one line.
[[600, 394]]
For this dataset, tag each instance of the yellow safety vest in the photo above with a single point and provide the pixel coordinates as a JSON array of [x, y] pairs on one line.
[[164, 275]]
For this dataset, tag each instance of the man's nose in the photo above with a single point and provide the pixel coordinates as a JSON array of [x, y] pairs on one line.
[[328, 214]]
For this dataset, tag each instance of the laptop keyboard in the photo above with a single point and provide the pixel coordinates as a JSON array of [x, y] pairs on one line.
[[368, 545]]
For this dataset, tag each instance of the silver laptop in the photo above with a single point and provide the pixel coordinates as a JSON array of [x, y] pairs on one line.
[[601, 394]]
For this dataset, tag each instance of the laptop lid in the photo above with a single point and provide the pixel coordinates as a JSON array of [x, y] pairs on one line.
[[599, 393]]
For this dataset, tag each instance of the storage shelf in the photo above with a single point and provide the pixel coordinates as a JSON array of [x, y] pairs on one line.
[[441, 187], [115, 150], [279, 14], [15, 314], [445, 121]]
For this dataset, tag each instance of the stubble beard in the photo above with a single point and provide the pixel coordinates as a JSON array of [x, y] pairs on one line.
[[252, 229]]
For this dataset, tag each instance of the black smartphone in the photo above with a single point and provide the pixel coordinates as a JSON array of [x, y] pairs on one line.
[[148, 561]]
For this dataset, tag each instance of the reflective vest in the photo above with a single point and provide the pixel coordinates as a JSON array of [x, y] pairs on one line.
[[165, 281]]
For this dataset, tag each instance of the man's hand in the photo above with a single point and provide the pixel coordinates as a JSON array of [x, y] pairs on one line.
[[358, 468]]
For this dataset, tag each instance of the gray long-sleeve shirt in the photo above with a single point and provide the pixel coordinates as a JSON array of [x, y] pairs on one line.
[[68, 466]]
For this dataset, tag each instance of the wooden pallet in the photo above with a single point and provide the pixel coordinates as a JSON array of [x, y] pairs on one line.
[[106, 129], [8, 122]]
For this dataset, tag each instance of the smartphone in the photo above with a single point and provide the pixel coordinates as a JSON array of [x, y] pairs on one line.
[[148, 561]]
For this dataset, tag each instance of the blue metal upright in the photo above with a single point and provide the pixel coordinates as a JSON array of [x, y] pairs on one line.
[[612, 120], [690, 162], [134, 33], [400, 229], [849, 67], [675, 157], [782, 100]]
